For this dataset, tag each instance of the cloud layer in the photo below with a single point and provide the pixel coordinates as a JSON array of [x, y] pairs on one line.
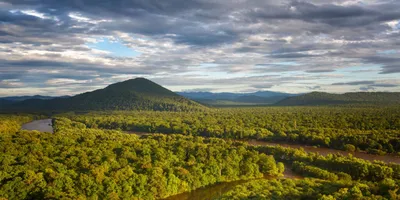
[[52, 47]]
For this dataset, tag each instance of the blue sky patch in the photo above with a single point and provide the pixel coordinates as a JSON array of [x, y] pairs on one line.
[[387, 52], [286, 63], [115, 47]]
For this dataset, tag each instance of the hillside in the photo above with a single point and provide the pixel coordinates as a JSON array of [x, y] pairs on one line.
[[134, 94], [258, 99], [4, 102], [23, 98], [322, 98]]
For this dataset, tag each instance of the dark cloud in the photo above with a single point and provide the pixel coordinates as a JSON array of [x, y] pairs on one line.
[[384, 85], [368, 85], [367, 88], [46, 40], [292, 55], [356, 83], [320, 71], [314, 87], [275, 41], [10, 83], [143, 17], [334, 15], [389, 69], [188, 19], [389, 64], [263, 86]]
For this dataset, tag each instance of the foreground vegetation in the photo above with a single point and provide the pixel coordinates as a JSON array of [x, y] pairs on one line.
[[78, 163], [375, 130], [311, 189], [12, 123], [88, 157], [332, 166]]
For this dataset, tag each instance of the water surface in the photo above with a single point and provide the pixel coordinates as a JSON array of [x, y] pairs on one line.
[[43, 125]]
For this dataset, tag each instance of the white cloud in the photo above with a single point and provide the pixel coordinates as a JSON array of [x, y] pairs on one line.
[[64, 81], [11, 83], [394, 24], [80, 18]]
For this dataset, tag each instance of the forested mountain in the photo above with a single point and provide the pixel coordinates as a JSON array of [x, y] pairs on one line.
[[4, 102], [225, 98], [322, 98], [134, 94], [23, 98]]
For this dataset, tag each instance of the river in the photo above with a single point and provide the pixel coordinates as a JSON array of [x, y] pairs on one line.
[[43, 125]]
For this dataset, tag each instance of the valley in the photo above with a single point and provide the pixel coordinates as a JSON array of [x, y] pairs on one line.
[[145, 146]]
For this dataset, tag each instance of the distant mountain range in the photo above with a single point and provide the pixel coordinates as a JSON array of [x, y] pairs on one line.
[[143, 94], [23, 98], [134, 94], [322, 98], [226, 98]]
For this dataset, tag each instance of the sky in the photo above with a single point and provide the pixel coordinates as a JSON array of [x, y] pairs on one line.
[[66, 47]]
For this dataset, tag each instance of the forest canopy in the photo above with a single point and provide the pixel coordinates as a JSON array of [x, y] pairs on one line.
[[78, 162], [375, 130], [154, 155]]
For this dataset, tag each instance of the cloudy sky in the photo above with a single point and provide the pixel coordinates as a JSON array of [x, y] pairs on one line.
[[66, 47]]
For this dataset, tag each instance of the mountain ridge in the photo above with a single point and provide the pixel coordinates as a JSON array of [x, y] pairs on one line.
[[143, 94], [26, 97], [133, 94]]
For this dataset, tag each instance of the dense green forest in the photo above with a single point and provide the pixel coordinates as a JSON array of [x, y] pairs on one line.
[[312, 189], [78, 163], [12, 123], [373, 129], [335, 177], [332, 166], [92, 155], [323, 98]]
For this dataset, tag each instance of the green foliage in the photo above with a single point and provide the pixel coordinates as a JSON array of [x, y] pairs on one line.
[[78, 162], [349, 147], [309, 189], [371, 129], [88, 158], [12, 123], [307, 164], [322, 98], [312, 171]]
